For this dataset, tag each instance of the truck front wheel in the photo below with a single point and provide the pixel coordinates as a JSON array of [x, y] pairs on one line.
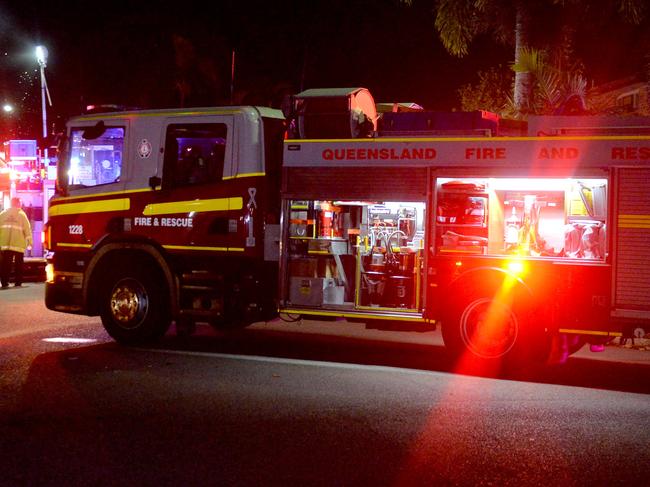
[[133, 307]]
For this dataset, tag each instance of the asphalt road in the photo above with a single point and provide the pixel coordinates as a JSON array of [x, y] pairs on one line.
[[313, 405]]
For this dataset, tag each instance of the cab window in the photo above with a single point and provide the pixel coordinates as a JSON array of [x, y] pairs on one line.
[[194, 154]]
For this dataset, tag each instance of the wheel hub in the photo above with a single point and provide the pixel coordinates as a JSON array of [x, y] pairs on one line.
[[489, 328], [128, 303]]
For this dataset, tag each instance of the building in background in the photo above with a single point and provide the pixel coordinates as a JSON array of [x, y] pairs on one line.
[[625, 96]]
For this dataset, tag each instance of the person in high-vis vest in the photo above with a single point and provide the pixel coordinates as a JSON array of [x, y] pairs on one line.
[[15, 237]]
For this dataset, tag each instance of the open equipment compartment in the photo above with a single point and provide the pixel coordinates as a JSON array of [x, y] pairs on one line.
[[355, 255]]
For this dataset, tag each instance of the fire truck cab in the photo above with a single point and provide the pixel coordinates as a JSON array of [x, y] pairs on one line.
[[161, 216]]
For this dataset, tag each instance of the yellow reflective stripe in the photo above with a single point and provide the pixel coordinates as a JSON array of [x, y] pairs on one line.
[[591, 332], [343, 314], [196, 247], [634, 221], [12, 248], [197, 206], [449, 251], [118, 204], [472, 139], [384, 308], [76, 245], [244, 175]]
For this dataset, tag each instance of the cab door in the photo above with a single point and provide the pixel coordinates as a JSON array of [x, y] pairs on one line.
[[191, 211]]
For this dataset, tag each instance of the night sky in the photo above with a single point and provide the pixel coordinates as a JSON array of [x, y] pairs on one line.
[[131, 53]]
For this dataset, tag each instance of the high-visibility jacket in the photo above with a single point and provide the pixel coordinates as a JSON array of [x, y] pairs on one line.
[[15, 230]]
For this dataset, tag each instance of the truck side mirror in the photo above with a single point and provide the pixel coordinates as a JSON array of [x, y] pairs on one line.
[[62, 164], [155, 182]]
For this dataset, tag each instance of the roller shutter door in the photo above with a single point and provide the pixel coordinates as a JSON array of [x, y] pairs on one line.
[[632, 286]]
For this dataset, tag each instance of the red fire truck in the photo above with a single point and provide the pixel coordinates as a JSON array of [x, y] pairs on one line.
[[518, 246], [24, 177]]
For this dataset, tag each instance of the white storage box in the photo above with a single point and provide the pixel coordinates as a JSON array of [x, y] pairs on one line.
[[333, 294]]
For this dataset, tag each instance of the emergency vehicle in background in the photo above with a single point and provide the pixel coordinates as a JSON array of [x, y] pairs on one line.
[[25, 176], [519, 246]]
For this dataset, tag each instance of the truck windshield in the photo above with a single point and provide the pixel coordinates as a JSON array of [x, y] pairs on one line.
[[94, 161]]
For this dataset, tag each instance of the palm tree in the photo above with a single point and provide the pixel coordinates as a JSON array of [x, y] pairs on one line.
[[556, 85], [555, 88], [459, 22]]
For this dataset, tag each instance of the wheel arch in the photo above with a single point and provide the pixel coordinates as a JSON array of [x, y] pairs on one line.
[[110, 250], [491, 277]]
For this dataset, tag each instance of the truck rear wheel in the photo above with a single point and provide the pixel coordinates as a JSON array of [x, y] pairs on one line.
[[134, 306], [488, 328], [491, 329]]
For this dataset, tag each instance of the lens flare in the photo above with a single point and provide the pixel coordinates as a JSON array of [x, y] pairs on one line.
[[515, 267]]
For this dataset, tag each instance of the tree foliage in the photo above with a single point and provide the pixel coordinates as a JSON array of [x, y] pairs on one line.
[[553, 88], [491, 92], [459, 22], [537, 85]]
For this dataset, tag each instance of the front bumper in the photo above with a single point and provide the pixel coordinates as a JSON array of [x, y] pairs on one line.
[[65, 293]]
